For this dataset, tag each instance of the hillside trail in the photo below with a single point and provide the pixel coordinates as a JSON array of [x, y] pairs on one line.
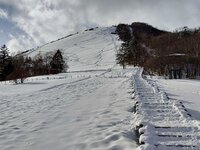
[[162, 123]]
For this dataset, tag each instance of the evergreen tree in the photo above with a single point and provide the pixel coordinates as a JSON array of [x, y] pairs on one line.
[[4, 54], [122, 55], [57, 63], [6, 66], [129, 53]]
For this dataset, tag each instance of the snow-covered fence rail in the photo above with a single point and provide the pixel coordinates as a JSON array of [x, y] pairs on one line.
[[48, 77], [161, 123]]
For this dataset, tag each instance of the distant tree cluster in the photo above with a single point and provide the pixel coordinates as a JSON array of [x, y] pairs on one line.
[[160, 52], [176, 50], [19, 67]]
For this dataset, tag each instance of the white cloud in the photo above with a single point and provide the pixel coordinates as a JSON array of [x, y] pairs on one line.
[[19, 43], [46, 20], [3, 14]]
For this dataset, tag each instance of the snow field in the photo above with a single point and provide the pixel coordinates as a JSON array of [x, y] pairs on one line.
[[70, 113]]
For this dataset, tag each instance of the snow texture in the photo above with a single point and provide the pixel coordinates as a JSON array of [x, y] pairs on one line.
[[57, 113]]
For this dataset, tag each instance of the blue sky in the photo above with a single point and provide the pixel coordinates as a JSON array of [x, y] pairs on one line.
[[8, 28], [5, 27], [25, 24]]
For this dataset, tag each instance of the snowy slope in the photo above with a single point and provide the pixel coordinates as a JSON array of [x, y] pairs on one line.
[[89, 50], [88, 108]]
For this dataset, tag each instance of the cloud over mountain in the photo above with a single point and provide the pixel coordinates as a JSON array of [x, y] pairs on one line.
[[45, 20]]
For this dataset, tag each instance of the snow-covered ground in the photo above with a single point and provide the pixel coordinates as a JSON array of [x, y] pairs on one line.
[[187, 91], [91, 107], [63, 112]]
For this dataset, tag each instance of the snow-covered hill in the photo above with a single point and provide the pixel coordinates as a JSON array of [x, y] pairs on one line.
[[90, 50], [90, 107], [86, 108]]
